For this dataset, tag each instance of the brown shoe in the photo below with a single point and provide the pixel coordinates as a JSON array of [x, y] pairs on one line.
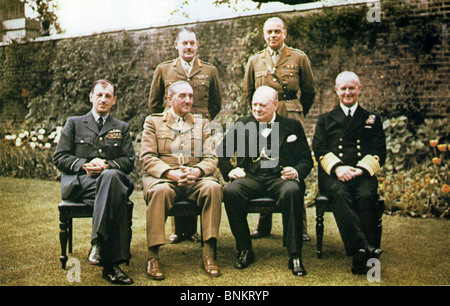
[[210, 266], [154, 270]]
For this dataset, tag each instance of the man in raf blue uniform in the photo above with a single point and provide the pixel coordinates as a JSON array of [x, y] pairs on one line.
[[349, 143], [95, 154]]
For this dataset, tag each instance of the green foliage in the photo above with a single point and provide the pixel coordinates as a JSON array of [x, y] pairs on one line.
[[76, 64], [415, 179]]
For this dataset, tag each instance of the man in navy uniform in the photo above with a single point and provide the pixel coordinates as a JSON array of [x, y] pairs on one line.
[[95, 154], [350, 146]]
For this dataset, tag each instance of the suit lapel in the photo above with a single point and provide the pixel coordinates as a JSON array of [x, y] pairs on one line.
[[358, 118], [283, 57], [89, 120]]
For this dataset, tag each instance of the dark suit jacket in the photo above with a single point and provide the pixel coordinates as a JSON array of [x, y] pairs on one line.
[[80, 142], [348, 142], [293, 149]]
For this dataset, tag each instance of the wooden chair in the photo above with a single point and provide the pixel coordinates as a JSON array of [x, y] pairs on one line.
[[69, 210], [323, 204]]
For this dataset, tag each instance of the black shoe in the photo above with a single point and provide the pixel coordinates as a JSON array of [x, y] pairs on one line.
[[195, 238], [245, 258], [257, 234], [373, 252], [94, 256], [175, 238], [296, 265], [359, 262], [115, 275]]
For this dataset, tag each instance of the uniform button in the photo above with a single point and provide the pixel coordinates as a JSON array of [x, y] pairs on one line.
[[341, 154], [359, 154], [81, 141], [358, 147], [340, 139], [100, 150], [274, 80], [358, 141], [340, 147], [100, 138]]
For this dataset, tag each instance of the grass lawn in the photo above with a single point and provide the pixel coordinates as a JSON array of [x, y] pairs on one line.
[[416, 250]]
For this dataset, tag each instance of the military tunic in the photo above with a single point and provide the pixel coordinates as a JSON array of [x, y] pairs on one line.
[[166, 145], [357, 142], [203, 78], [291, 76]]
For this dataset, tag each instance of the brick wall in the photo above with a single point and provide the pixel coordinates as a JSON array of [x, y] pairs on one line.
[[392, 70]]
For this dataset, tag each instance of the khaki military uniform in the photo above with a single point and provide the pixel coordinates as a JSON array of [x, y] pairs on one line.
[[291, 77], [203, 78], [167, 145]]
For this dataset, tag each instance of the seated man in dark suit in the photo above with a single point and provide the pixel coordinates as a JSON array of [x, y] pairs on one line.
[[95, 154], [349, 143], [273, 159]]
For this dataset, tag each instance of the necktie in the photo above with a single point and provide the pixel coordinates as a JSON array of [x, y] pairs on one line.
[[349, 114], [275, 55], [187, 68], [100, 123]]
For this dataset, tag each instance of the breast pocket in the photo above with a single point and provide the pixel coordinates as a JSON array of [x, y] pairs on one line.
[[201, 91], [290, 78], [84, 146], [113, 148], [165, 141]]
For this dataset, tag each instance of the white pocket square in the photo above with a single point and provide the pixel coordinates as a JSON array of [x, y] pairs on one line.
[[291, 138]]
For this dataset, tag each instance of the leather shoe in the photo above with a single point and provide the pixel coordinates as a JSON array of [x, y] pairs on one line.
[[94, 256], [175, 238], [359, 262], [115, 275], [306, 237], [296, 265], [245, 258], [195, 238], [257, 234], [154, 270], [210, 266], [373, 252]]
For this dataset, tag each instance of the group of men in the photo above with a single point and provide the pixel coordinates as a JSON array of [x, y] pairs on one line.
[[269, 148]]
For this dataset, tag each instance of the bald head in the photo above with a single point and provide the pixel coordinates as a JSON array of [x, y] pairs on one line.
[[264, 103], [348, 87]]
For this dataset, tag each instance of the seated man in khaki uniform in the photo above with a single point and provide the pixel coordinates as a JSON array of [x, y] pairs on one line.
[[178, 160]]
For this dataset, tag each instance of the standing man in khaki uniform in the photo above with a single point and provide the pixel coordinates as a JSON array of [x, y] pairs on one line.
[[204, 80], [178, 158], [289, 72]]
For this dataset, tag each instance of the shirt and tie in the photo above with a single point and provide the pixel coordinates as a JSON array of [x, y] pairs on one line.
[[100, 120], [187, 66]]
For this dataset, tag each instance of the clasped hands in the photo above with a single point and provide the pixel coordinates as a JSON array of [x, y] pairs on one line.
[[184, 175], [287, 173], [95, 167], [347, 173]]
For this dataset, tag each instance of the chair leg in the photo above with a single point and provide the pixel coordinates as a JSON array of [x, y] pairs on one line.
[[63, 237], [70, 222], [319, 232], [130, 234]]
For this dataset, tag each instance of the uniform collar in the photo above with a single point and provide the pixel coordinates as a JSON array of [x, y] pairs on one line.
[[345, 109], [96, 116]]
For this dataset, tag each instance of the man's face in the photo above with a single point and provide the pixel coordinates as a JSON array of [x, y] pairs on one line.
[[274, 34], [348, 90], [187, 46], [263, 107], [181, 102], [102, 99]]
